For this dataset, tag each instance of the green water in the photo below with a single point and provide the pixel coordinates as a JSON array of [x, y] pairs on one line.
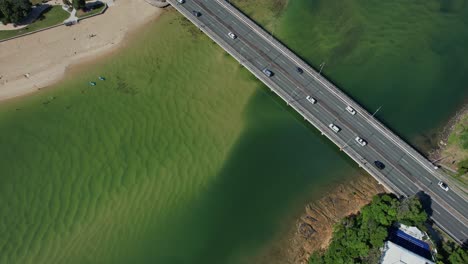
[[181, 156], [411, 57]]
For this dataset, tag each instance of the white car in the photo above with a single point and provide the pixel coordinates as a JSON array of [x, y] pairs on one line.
[[311, 100], [350, 110], [334, 127], [181, 1], [232, 35], [361, 141], [443, 185]]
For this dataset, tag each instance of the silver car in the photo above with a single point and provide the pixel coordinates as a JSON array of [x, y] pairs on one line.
[[267, 72], [334, 127]]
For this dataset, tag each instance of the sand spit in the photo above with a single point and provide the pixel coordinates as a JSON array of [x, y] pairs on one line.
[[38, 60]]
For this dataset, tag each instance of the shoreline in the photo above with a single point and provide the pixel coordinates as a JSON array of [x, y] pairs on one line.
[[313, 228], [32, 68], [443, 135]]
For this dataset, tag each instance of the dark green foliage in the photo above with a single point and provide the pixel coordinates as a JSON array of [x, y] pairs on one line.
[[451, 253], [459, 255], [464, 138], [463, 167], [13, 11], [410, 212], [79, 4], [357, 238]]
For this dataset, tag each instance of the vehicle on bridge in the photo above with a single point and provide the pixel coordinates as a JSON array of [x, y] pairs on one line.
[[443, 185], [361, 141], [196, 13], [350, 110], [334, 127], [232, 35], [181, 1], [267, 72], [311, 99], [299, 70], [379, 165]]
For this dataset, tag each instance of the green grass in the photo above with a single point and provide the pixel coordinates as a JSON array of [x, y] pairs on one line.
[[459, 135], [53, 16], [96, 10]]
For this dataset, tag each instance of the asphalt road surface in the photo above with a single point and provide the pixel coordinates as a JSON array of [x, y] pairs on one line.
[[406, 172]]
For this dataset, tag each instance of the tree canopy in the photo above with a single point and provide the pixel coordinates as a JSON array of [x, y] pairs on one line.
[[12, 11], [357, 238], [79, 4]]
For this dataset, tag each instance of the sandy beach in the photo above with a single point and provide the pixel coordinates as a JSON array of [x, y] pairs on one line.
[[38, 60]]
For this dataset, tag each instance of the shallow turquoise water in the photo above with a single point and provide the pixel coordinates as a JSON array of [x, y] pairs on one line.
[[165, 163]]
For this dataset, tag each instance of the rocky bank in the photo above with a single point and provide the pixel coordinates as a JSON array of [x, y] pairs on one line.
[[313, 230]]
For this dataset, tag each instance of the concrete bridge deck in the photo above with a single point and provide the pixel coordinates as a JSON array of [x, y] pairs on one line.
[[406, 172]]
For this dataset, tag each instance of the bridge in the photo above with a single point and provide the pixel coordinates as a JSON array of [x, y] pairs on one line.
[[404, 172]]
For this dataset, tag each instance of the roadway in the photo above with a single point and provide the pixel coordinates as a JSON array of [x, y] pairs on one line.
[[406, 172]]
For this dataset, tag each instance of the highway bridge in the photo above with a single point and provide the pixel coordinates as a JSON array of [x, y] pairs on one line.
[[405, 171]]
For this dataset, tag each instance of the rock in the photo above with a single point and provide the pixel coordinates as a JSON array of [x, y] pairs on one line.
[[306, 230]]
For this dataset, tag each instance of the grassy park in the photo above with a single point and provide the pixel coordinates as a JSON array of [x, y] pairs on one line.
[[52, 16]]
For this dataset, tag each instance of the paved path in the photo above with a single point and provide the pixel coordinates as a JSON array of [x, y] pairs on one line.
[[406, 172]]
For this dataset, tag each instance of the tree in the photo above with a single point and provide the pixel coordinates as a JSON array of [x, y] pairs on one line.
[[13, 11], [358, 238], [459, 255], [463, 167], [410, 212], [79, 4]]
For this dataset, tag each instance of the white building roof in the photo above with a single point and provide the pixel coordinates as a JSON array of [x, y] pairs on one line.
[[412, 231], [394, 254]]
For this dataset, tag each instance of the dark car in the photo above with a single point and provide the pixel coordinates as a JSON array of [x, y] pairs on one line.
[[379, 165], [299, 70], [196, 13]]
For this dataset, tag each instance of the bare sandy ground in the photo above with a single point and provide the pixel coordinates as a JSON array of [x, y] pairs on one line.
[[38, 60]]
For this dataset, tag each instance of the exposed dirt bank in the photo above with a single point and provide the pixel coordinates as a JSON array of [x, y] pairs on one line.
[[313, 231]]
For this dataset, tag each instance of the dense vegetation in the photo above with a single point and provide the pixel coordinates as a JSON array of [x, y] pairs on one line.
[[463, 165], [79, 4], [358, 238], [12, 11], [52, 16]]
